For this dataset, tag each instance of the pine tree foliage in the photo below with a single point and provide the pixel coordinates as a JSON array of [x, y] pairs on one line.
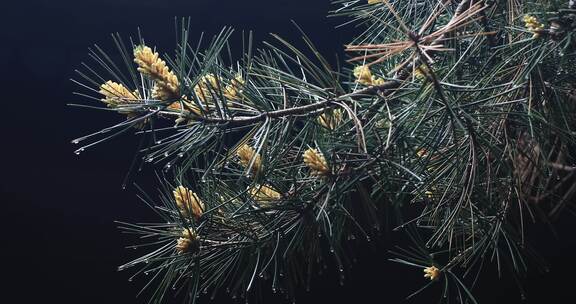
[[463, 110]]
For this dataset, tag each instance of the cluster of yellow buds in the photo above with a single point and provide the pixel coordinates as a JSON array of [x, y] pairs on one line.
[[245, 155], [234, 88], [374, 1], [331, 120], [184, 243], [117, 94], [188, 202], [264, 193], [421, 72], [315, 160], [432, 272], [422, 153], [166, 84], [364, 76], [209, 86], [533, 25]]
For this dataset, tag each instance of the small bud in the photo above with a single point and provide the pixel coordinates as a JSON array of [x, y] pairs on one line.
[[432, 272], [330, 120], [422, 153], [316, 162], [364, 76], [206, 88], [264, 193], [533, 25], [233, 89], [186, 241], [245, 155], [116, 94], [188, 202]]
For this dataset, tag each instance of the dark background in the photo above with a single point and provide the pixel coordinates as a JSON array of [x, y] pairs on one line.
[[59, 243]]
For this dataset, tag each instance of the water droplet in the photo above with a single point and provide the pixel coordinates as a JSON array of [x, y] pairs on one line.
[[75, 141]]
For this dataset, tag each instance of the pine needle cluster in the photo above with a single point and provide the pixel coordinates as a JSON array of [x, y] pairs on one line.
[[453, 124]]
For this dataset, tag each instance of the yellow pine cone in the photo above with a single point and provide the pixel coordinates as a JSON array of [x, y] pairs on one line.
[[183, 244], [188, 202], [149, 63], [421, 72], [245, 155], [207, 86], [314, 159], [330, 120], [264, 193], [432, 272], [234, 88], [364, 76], [116, 94], [533, 25]]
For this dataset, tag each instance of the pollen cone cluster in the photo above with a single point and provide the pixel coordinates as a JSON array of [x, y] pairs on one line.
[[432, 272], [185, 242], [330, 120], [264, 193], [245, 155], [149, 63], [209, 87], [116, 94], [364, 76], [234, 88], [421, 72], [188, 202], [314, 159], [532, 24]]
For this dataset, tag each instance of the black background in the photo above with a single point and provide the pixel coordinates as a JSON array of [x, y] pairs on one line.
[[59, 243]]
